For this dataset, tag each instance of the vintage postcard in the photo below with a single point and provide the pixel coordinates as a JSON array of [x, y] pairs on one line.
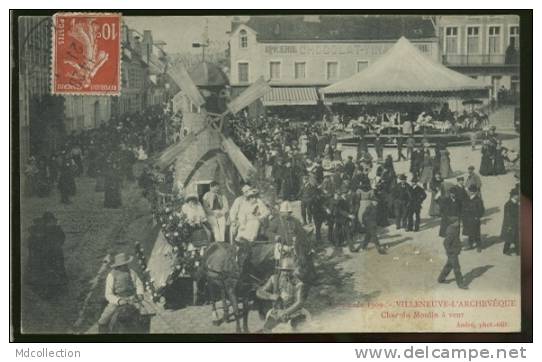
[[317, 173]]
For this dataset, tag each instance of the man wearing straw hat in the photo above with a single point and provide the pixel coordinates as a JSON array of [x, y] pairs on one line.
[[288, 293], [122, 286]]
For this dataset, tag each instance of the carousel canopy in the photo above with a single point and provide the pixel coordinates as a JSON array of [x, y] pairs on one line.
[[405, 69]]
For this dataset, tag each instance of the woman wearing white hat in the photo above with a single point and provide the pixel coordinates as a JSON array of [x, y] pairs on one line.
[[250, 217]]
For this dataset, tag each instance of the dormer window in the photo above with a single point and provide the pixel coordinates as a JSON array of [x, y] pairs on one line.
[[243, 39]]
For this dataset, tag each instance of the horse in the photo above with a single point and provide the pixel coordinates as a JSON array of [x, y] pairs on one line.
[[232, 272]]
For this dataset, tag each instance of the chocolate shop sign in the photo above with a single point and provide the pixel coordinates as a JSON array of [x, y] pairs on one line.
[[328, 49]]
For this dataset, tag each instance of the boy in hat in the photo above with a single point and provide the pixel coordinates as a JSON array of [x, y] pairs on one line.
[[510, 224], [287, 292], [418, 195], [452, 246], [122, 286], [472, 210]]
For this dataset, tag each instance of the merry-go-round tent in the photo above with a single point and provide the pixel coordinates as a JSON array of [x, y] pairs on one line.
[[404, 75]]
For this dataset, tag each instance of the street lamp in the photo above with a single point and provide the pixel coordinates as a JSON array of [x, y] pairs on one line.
[[202, 46]]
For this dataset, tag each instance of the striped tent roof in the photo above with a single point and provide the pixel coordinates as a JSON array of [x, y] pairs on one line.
[[404, 68]]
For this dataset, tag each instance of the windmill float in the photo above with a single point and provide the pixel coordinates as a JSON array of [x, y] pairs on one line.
[[204, 155]]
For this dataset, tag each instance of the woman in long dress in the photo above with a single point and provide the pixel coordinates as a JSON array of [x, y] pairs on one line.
[[498, 162], [436, 187], [445, 168], [427, 169], [486, 164]]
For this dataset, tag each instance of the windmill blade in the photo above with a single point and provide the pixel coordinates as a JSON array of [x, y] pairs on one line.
[[257, 90], [180, 76], [241, 162]]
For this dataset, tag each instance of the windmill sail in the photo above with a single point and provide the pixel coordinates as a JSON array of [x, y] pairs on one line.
[[257, 90], [241, 162], [179, 74]]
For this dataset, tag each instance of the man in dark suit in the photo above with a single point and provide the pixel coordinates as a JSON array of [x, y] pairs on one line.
[[450, 208], [401, 198], [510, 224], [452, 246], [370, 225], [339, 217], [418, 195], [471, 211], [461, 191]]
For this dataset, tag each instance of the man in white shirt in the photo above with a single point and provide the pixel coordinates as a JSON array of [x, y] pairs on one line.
[[122, 286], [234, 211], [216, 206]]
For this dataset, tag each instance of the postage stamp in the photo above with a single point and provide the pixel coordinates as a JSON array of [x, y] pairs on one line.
[[86, 53]]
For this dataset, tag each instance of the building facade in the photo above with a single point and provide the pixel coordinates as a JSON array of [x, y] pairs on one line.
[[300, 54], [483, 47], [34, 77], [84, 112]]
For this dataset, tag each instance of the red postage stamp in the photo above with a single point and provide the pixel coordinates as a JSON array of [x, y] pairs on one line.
[[86, 53]]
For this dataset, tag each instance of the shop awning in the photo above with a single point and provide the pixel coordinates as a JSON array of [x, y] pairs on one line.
[[291, 96]]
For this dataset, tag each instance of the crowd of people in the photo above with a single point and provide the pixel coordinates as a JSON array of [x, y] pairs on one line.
[[412, 122], [354, 196], [496, 158], [107, 153]]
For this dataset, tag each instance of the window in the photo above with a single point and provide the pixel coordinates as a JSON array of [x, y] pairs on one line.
[[274, 70], [514, 36], [494, 40], [424, 48], [243, 39], [451, 40], [243, 72], [473, 40], [299, 70], [332, 70], [362, 64]]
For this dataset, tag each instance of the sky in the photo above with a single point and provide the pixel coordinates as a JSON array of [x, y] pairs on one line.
[[180, 31]]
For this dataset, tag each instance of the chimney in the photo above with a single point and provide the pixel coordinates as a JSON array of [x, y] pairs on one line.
[[147, 44]]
